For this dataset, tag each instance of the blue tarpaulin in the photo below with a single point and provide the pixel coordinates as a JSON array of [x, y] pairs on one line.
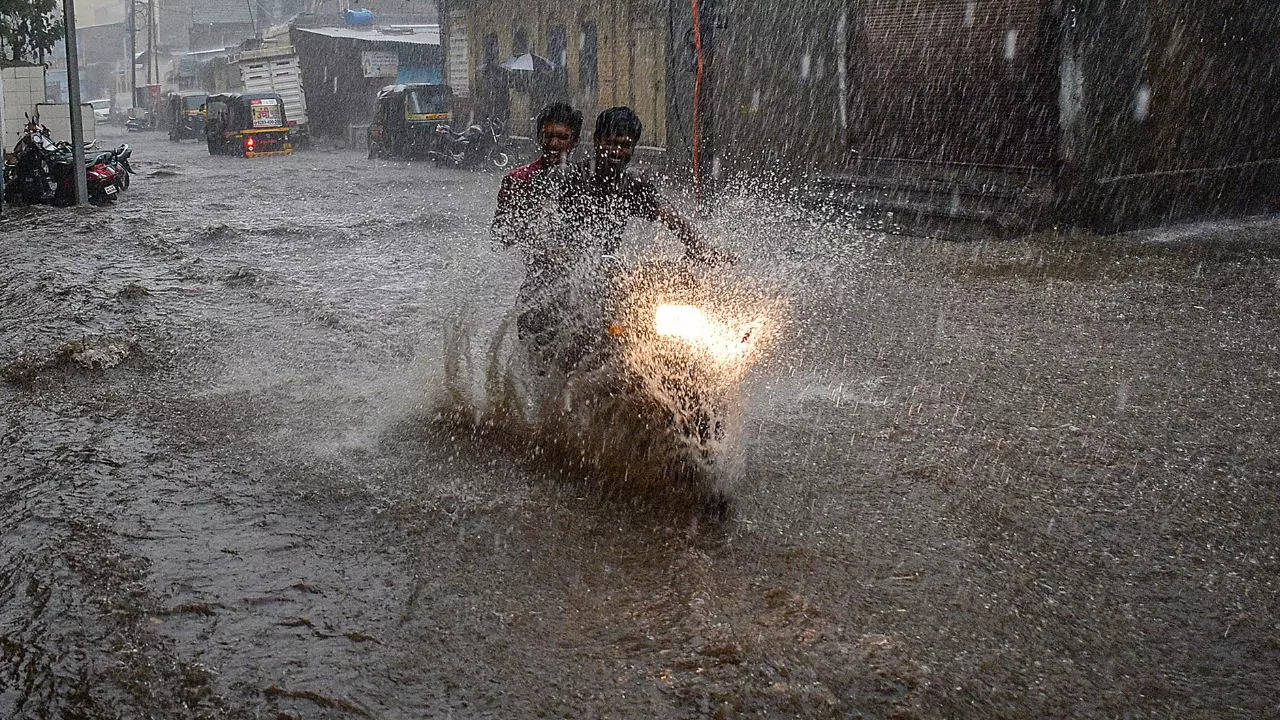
[[417, 73]]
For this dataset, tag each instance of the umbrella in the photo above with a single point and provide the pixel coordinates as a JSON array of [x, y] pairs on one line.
[[527, 62]]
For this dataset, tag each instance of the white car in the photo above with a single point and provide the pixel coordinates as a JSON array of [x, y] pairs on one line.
[[101, 109]]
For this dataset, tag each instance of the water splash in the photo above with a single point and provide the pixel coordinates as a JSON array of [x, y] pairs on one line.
[[615, 401]]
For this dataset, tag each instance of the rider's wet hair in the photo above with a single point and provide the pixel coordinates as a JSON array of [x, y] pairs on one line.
[[564, 114], [620, 120]]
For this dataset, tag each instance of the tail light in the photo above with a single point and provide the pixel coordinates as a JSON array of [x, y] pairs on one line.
[[249, 143]]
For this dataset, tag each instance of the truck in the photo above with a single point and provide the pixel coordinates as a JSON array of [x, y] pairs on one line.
[[276, 70]]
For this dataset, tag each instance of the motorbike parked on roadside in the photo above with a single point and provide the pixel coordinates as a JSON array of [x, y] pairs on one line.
[[139, 120], [108, 174], [479, 145], [44, 172]]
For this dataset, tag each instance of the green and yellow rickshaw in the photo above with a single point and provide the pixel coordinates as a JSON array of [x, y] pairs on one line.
[[184, 115], [405, 118]]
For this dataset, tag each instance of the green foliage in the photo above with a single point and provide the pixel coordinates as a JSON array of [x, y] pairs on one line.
[[29, 27]]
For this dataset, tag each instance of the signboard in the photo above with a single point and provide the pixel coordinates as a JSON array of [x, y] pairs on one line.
[[458, 61], [379, 63], [266, 113]]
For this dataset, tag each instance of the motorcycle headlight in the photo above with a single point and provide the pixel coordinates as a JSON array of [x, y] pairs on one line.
[[690, 325]]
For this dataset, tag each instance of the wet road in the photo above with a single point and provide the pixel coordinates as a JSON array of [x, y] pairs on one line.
[[1027, 479]]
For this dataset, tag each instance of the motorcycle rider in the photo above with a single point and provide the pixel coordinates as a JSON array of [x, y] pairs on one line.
[[530, 189], [527, 208], [569, 216], [565, 215], [602, 194]]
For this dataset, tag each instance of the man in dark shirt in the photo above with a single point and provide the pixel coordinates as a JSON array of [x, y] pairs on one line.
[[602, 195]]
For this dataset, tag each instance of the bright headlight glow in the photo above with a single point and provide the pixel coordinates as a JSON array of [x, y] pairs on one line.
[[691, 325]]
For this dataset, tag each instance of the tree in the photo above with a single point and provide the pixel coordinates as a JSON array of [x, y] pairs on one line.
[[28, 28]]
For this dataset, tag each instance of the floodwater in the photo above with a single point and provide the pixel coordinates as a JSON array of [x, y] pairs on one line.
[[1024, 479]]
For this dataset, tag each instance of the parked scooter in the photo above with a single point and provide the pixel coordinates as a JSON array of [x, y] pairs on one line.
[[478, 145], [134, 123], [108, 174]]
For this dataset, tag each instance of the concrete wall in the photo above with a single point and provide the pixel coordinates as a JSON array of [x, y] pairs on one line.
[[58, 119], [23, 88]]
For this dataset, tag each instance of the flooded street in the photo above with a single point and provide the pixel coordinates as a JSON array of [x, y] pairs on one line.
[[1034, 478]]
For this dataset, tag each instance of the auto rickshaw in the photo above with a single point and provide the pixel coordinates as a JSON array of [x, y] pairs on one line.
[[184, 115], [247, 124], [405, 119]]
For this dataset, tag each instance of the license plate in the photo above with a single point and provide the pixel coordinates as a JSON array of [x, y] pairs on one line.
[[110, 189]]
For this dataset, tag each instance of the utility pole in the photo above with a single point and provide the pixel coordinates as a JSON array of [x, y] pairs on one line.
[[253, 22], [155, 62], [151, 39], [73, 100], [133, 53]]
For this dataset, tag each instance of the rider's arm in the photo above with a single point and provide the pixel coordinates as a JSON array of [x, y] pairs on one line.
[[681, 226], [696, 246], [650, 203]]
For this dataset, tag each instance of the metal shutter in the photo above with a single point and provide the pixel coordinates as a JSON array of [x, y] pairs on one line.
[[955, 80]]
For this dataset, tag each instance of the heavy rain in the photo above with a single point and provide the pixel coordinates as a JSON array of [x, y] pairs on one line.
[[638, 359]]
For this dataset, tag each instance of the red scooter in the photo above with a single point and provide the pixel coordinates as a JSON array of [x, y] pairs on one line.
[[108, 174]]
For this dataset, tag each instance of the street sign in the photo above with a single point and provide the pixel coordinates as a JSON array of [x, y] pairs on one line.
[[379, 63]]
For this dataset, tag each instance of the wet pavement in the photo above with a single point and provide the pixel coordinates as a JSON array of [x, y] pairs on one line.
[[1024, 479]]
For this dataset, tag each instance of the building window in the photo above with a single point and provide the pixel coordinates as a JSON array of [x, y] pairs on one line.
[[588, 50], [519, 42]]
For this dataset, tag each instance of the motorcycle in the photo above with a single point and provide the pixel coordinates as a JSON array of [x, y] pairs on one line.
[[30, 178], [477, 145], [108, 174], [637, 368], [138, 123], [44, 172]]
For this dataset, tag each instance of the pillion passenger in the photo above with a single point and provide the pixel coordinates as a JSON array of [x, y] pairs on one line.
[[528, 194]]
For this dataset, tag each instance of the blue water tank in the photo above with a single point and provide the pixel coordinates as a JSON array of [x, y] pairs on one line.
[[363, 16]]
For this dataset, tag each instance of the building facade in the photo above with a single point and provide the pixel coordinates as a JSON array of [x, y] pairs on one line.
[[1090, 112], [602, 53]]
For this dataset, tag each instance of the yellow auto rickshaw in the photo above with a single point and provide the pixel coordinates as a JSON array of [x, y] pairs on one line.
[[405, 119], [247, 124], [184, 114]]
